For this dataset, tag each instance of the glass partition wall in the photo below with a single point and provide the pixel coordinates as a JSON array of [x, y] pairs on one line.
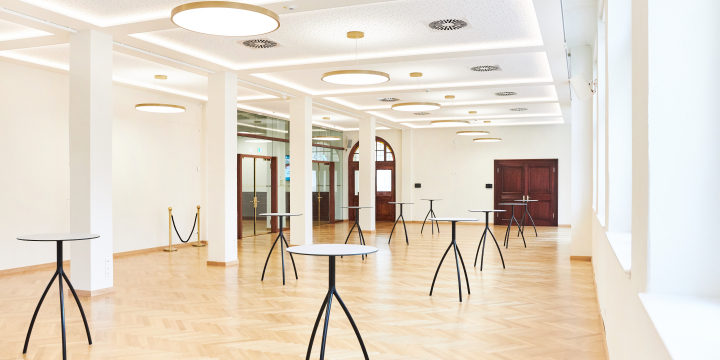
[[264, 173]]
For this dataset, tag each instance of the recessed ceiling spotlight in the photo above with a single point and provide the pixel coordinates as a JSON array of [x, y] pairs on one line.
[[422, 113], [326, 118], [518, 109], [486, 68], [225, 18], [486, 121], [259, 43], [472, 112], [505, 93], [388, 99], [448, 24], [487, 139]]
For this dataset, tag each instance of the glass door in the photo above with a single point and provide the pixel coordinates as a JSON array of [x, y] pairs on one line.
[[322, 198], [256, 186]]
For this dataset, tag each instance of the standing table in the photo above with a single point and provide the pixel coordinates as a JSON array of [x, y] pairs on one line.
[[453, 244], [484, 238], [331, 251], [60, 275], [431, 212], [357, 223], [398, 219], [512, 217], [282, 251], [522, 221]]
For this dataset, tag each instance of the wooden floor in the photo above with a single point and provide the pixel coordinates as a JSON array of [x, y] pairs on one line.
[[173, 306]]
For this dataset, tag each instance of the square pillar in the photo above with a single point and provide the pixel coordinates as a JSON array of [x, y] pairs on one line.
[[301, 169], [90, 132], [222, 169], [406, 186], [367, 173]]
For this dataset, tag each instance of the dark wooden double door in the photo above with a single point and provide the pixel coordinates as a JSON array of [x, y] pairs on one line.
[[537, 179], [383, 210]]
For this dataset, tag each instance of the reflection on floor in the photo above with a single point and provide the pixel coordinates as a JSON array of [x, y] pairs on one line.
[[173, 306]]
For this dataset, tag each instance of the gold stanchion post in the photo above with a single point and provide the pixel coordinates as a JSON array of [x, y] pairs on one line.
[[198, 244], [170, 247]]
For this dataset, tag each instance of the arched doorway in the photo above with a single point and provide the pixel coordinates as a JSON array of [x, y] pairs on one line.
[[384, 180]]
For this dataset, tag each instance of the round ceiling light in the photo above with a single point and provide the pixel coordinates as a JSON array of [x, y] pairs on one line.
[[225, 18], [487, 139], [473, 133], [449, 122], [326, 138], [355, 77], [160, 108]]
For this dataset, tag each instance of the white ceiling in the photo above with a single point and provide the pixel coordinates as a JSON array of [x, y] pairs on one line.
[[524, 37]]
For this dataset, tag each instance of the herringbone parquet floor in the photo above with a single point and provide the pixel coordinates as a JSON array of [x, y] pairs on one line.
[[173, 306]]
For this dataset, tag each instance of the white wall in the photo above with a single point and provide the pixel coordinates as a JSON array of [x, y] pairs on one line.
[[458, 172], [155, 161], [34, 158]]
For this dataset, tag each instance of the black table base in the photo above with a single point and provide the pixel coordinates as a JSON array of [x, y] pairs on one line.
[[282, 253], [60, 275], [357, 223], [483, 239], [404, 227], [507, 233], [453, 244], [327, 303], [431, 212], [522, 221]]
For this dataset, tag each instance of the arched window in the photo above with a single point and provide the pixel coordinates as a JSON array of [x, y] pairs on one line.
[[383, 151]]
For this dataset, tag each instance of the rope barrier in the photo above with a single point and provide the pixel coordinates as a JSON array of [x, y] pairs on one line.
[[171, 225]]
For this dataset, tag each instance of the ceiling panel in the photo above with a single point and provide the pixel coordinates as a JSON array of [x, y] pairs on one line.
[[483, 112], [469, 96], [13, 31], [438, 73], [281, 109], [392, 28]]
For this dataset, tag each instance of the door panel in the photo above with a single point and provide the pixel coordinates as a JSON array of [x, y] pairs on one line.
[[257, 193], [385, 191], [534, 178]]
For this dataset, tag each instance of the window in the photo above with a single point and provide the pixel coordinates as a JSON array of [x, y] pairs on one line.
[[383, 152], [384, 180]]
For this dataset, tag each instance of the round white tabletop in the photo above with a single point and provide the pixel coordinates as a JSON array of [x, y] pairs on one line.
[[487, 210], [400, 202], [525, 200], [279, 214], [357, 207], [58, 237], [514, 204], [453, 219], [332, 250], [431, 199]]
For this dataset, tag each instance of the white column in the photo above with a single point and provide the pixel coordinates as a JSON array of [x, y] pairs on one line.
[[91, 111], [581, 157], [301, 169], [222, 181], [367, 173], [406, 187]]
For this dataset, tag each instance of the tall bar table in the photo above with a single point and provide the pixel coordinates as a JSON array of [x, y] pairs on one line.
[[453, 244], [357, 223], [527, 212], [512, 217], [282, 251], [431, 212], [398, 219], [60, 275], [331, 251], [484, 238]]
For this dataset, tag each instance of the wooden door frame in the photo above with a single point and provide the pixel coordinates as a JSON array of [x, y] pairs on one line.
[[331, 201], [497, 195], [273, 190], [351, 176]]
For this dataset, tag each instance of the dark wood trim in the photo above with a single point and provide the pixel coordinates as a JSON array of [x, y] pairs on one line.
[[274, 193], [355, 165], [263, 137], [273, 190], [322, 162], [329, 146], [331, 205], [257, 156], [239, 196]]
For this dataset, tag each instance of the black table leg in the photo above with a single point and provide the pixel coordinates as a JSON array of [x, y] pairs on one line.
[[283, 245], [531, 220], [507, 234], [453, 245], [431, 212], [357, 223], [332, 291], [522, 220], [483, 240], [404, 227]]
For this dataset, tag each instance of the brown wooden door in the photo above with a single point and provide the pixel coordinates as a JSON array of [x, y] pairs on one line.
[[537, 179], [384, 176]]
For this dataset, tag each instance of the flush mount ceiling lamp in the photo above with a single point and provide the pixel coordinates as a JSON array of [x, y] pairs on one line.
[[355, 77], [487, 140], [225, 18], [473, 133], [417, 106], [157, 107], [449, 122]]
